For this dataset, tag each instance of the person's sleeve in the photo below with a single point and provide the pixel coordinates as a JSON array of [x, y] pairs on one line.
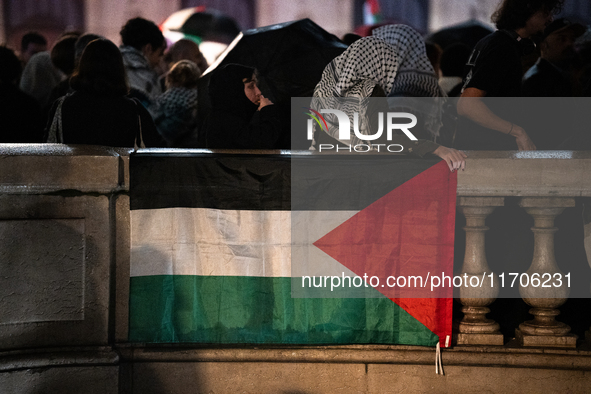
[[418, 148], [221, 130], [490, 67], [36, 123], [49, 119], [150, 135], [421, 147], [263, 131]]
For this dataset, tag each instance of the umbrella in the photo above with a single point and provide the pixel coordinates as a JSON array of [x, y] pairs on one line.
[[204, 24], [289, 57], [468, 33]]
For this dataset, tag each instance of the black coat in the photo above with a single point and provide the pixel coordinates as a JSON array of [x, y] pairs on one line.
[[109, 121], [235, 122], [21, 118], [545, 80]]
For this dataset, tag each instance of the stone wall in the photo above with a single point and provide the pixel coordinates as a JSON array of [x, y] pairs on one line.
[[58, 263], [64, 276]]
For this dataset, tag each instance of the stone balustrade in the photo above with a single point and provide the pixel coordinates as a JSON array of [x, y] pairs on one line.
[[545, 183], [64, 277]]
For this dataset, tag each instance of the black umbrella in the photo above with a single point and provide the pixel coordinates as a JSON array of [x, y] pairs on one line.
[[468, 33], [289, 57]]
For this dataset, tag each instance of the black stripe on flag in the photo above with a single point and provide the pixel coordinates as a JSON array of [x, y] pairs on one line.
[[267, 181], [349, 182], [206, 180]]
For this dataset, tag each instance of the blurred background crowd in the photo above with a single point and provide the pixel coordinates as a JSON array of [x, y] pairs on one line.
[[172, 53]]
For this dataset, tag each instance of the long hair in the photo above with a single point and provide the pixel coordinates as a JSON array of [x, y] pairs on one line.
[[513, 14], [63, 53], [100, 71], [10, 66]]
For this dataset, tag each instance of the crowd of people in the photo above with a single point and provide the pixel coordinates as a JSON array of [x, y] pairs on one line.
[[86, 90]]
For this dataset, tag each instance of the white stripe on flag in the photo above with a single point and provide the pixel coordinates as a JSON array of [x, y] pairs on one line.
[[214, 242]]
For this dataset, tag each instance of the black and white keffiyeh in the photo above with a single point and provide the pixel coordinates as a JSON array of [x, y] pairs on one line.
[[368, 62], [175, 113], [349, 80], [415, 77], [395, 59], [177, 100]]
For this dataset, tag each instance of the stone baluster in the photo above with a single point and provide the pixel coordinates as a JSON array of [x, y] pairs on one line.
[[544, 330], [587, 243], [475, 328]]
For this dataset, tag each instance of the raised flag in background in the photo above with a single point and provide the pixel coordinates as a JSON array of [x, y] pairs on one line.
[[371, 12]]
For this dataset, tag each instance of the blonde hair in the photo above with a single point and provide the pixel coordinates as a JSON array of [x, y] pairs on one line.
[[184, 73]]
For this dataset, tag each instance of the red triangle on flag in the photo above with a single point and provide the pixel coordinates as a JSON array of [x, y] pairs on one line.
[[405, 235]]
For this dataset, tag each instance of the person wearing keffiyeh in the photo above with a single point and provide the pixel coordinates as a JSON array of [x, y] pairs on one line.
[[175, 111], [371, 67], [415, 77]]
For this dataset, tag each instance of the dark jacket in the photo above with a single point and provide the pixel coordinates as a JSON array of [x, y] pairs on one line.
[[20, 118], [554, 116], [96, 120], [545, 80]]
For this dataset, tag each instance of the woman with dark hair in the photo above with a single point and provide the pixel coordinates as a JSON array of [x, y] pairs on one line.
[[20, 117], [241, 117], [63, 57], [63, 53], [495, 70], [98, 113]]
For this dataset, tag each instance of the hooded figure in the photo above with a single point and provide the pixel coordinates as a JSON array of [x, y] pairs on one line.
[[415, 78], [414, 74], [237, 122], [371, 67]]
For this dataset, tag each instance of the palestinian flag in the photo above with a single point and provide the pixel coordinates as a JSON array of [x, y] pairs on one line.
[[371, 12], [222, 245]]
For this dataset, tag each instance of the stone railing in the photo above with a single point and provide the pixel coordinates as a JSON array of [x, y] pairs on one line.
[[64, 274], [545, 183]]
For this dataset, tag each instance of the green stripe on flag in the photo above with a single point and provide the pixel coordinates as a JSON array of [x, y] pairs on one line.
[[238, 309]]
